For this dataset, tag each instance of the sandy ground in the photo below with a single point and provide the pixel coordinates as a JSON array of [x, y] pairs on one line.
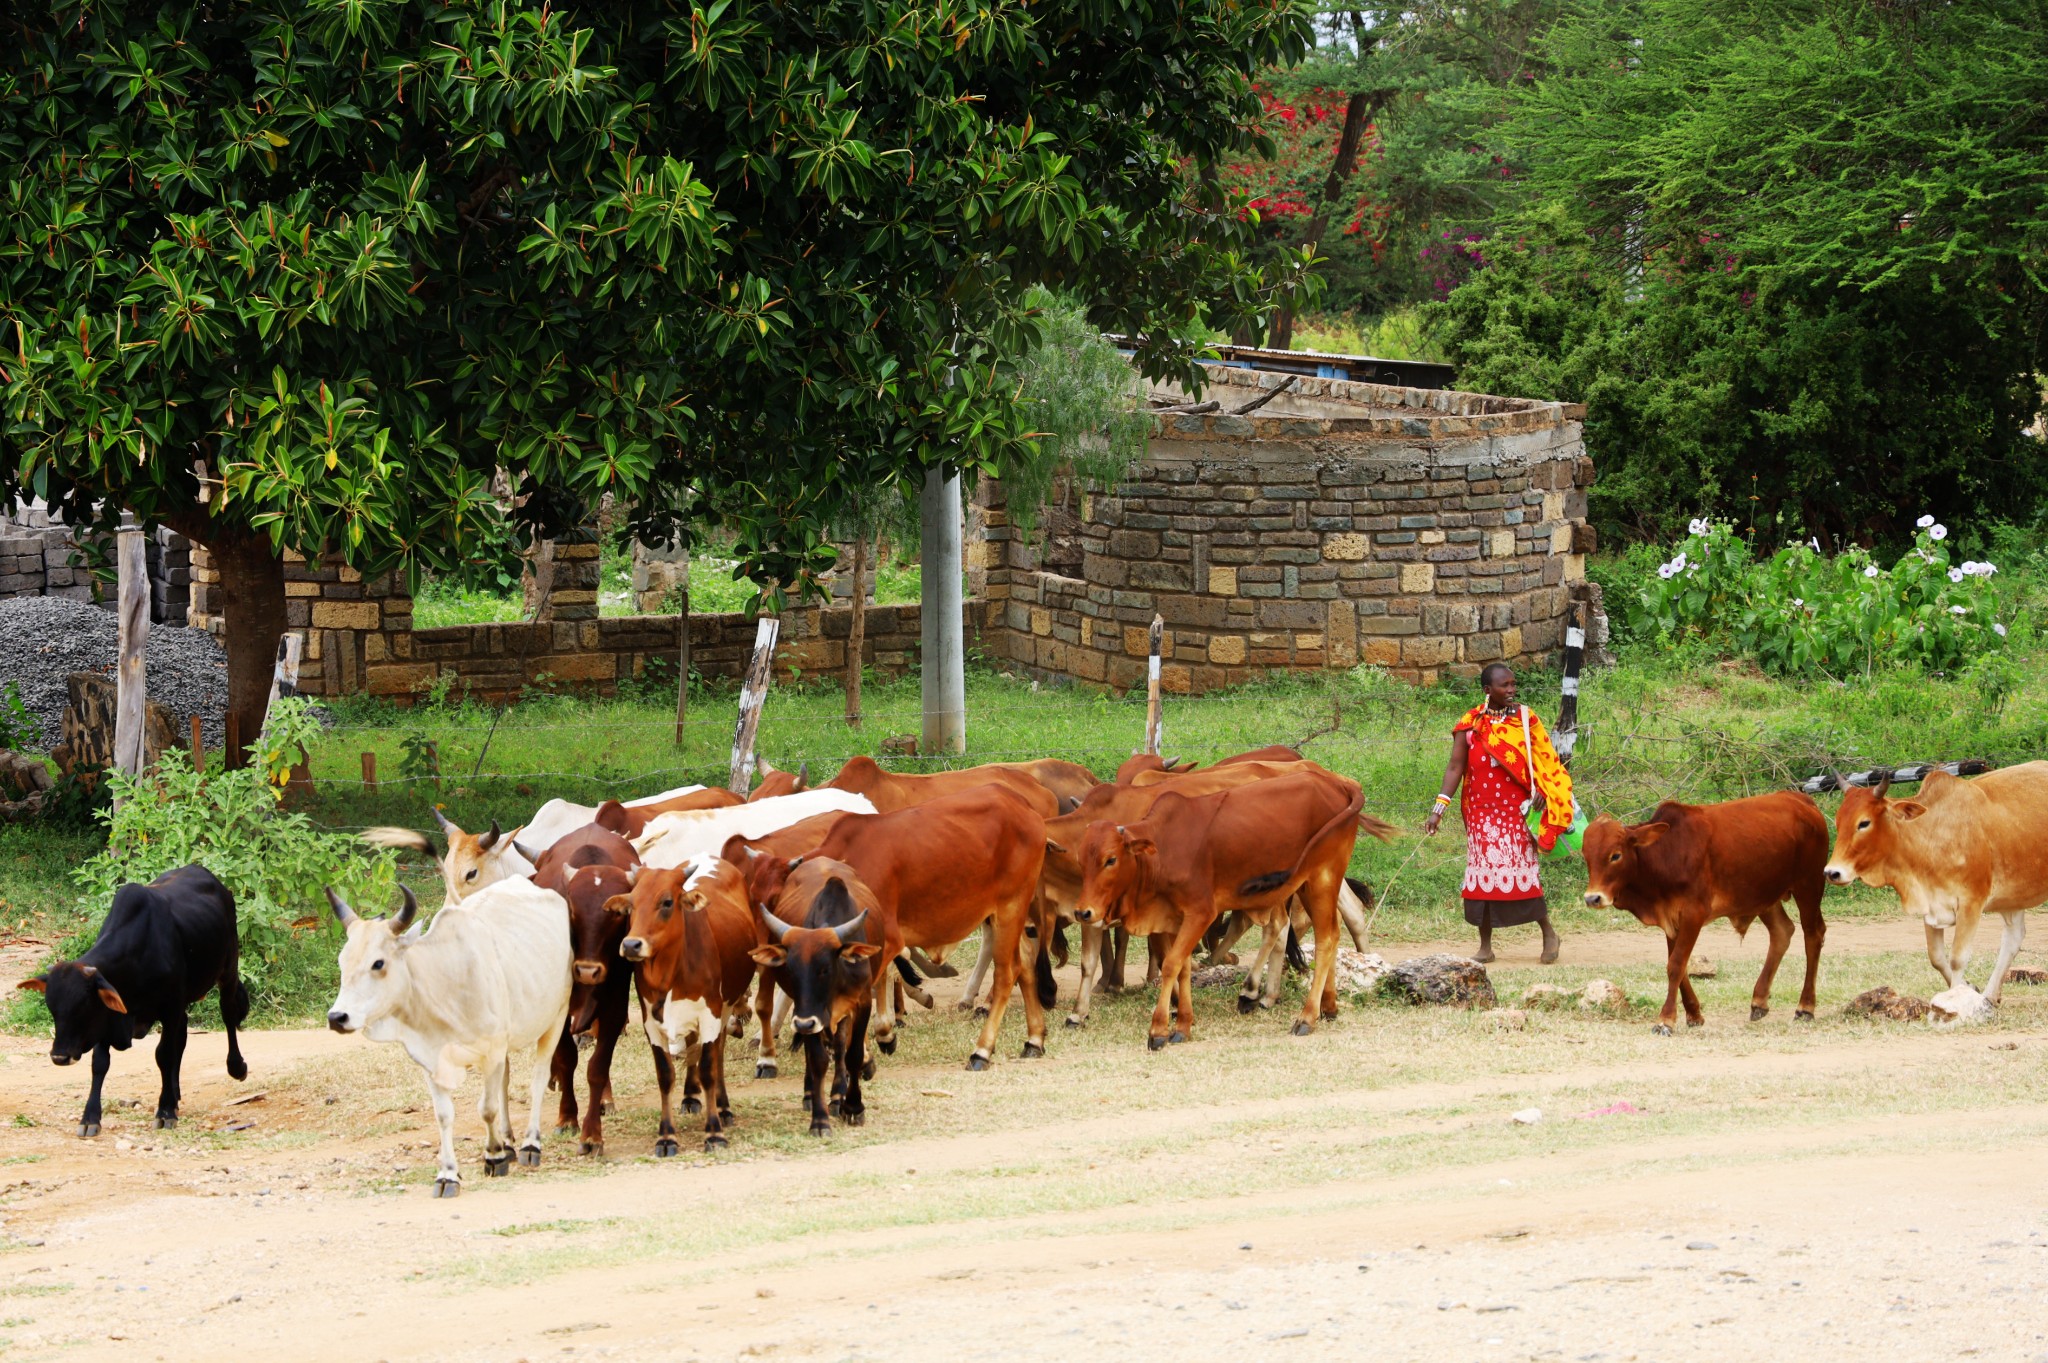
[[1311, 1226]]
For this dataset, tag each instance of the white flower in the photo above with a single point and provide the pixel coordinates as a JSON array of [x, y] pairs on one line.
[[1700, 526], [1815, 543], [1798, 601], [1969, 567], [1924, 522], [1980, 569], [1870, 571], [1955, 574], [1939, 532], [1958, 610], [1999, 630], [1665, 570]]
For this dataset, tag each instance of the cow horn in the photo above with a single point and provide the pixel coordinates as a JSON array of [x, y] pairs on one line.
[[411, 906], [777, 929], [526, 852], [1841, 781], [490, 839], [1882, 786], [850, 929], [803, 776], [342, 912], [447, 824]]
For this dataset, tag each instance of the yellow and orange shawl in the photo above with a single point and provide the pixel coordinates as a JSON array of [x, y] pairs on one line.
[[1500, 737]]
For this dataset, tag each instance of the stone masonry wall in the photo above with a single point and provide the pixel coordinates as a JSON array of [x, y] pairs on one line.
[[39, 557], [1426, 532]]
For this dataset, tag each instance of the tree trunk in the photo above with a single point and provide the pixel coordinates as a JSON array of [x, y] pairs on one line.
[[857, 633], [252, 604]]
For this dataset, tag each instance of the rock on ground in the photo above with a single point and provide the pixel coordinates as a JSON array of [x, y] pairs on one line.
[[47, 638], [1443, 979], [1959, 1006], [1507, 1019], [1887, 1003], [1224, 976], [1700, 968], [1603, 996], [2022, 974], [1358, 972], [1548, 996]]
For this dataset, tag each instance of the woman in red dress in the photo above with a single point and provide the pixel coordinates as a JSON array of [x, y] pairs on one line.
[[1491, 758]]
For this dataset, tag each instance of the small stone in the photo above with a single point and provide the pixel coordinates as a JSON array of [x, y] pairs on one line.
[[1547, 997], [1440, 979], [1603, 996], [124, 1145], [1700, 968], [1506, 1019], [1528, 1116], [1701, 1245], [1958, 1007], [1887, 1003]]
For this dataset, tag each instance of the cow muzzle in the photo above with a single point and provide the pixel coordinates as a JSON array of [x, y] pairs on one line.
[[809, 1025], [1838, 875], [1084, 914], [1595, 899], [590, 972], [63, 1058], [634, 948], [338, 1021]]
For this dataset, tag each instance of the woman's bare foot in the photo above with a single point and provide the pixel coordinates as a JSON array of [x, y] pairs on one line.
[[1483, 955], [1550, 945]]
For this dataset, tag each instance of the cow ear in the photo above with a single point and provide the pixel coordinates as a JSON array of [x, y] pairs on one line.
[[1137, 844], [618, 904], [38, 984], [1906, 809], [1069, 803], [1649, 833], [111, 996], [770, 956], [694, 901], [1052, 846], [858, 949]]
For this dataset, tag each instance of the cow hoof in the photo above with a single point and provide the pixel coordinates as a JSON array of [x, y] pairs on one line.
[[1756, 1014], [1076, 1020], [1155, 1043], [821, 1128], [529, 1156], [446, 1187], [977, 1062], [1661, 1029], [981, 1010], [725, 1117], [591, 1148], [497, 1166], [1301, 1028], [607, 1109], [1802, 1016], [714, 1143], [567, 1128], [693, 1107], [166, 1123], [837, 1107], [1033, 1051], [867, 1066], [87, 1130], [764, 1069], [857, 1118], [1176, 1038], [1701, 1022], [886, 1046], [1329, 1015], [667, 1148], [1247, 1003]]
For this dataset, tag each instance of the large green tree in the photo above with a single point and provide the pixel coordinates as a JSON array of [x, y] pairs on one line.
[[347, 257], [1789, 251]]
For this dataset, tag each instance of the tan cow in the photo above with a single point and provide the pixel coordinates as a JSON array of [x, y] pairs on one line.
[[1963, 849]]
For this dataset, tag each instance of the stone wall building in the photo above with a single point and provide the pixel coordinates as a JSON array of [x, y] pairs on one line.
[[1343, 523], [40, 556]]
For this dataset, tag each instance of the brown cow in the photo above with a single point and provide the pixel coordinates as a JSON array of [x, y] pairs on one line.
[[1068, 781], [937, 871], [891, 791], [1140, 763], [598, 997], [1961, 850], [1249, 849], [821, 956], [591, 845], [1691, 864], [776, 783], [691, 937], [630, 821]]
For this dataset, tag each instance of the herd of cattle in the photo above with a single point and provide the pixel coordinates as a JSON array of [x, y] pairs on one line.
[[815, 908]]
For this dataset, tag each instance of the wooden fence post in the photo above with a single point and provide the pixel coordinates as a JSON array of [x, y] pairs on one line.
[[683, 658], [132, 689], [231, 760], [753, 692], [198, 745], [1574, 659], [370, 772], [1154, 722]]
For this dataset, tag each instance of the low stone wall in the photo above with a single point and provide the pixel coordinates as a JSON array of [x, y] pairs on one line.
[[39, 556], [1347, 523]]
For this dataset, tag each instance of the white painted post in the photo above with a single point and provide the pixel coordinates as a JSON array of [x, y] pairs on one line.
[[285, 680], [753, 692], [941, 620], [1155, 722], [132, 686]]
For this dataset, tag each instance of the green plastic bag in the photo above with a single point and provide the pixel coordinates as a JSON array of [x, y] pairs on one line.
[[1574, 836]]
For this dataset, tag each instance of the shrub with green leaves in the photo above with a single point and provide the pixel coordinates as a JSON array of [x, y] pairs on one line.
[[274, 862], [1800, 612]]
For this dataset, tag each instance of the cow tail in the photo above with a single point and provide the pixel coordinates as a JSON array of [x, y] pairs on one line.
[[1378, 828], [908, 972], [399, 840], [1048, 987], [1275, 879], [1295, 960]]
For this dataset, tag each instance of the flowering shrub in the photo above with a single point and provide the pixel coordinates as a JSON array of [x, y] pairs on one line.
[[1800, 612]]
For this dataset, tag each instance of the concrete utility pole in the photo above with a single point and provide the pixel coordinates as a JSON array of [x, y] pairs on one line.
[[941, 618], [131, 686]]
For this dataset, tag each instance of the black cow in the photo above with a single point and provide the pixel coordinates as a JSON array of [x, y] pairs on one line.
[[824, 963], [162, 948]]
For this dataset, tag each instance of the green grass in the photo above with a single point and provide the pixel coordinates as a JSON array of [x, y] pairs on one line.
[[1397, 335]]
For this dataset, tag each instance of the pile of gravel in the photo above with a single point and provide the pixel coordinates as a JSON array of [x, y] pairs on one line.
[[44, 639]]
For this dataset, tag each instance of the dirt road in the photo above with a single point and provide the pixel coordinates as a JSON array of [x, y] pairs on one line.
[[1814, 1191]]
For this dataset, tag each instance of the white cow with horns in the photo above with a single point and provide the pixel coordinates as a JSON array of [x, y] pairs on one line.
[[486, 985]]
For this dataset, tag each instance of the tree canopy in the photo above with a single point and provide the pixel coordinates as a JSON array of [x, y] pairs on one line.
[[724, 260]]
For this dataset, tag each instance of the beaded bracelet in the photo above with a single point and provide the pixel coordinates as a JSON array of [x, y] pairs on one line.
[[1442, 800]]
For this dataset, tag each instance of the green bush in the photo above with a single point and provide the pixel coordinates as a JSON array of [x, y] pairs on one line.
[[1802, 613]]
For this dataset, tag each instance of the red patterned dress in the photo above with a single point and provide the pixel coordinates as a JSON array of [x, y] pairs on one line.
[[1503, 886]]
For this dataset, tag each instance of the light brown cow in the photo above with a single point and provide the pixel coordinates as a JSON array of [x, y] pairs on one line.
[[1962, 849], [891, 791], [1250, 849], [472, 861]]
